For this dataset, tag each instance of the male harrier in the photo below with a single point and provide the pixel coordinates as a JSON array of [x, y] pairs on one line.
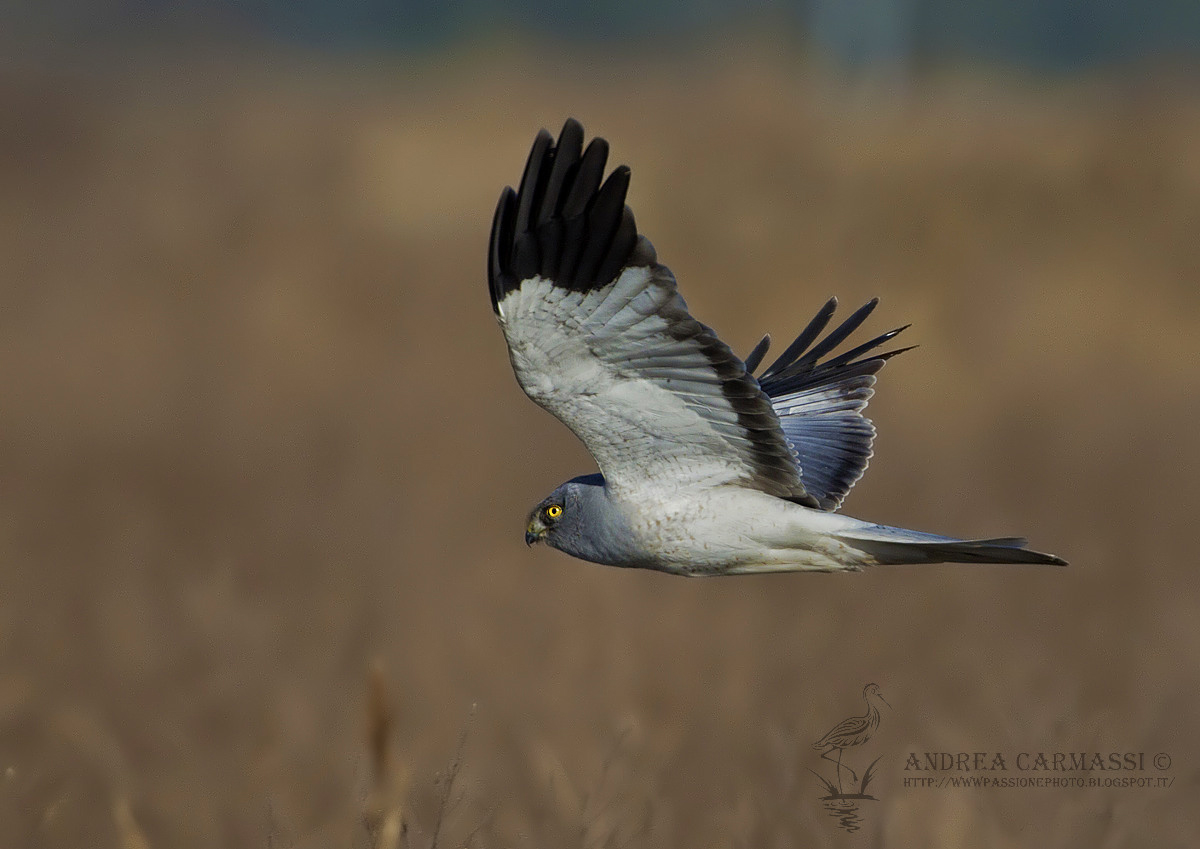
[[705, 468]]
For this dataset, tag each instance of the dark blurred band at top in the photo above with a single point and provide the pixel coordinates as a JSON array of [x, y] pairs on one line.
[[1040, 34]]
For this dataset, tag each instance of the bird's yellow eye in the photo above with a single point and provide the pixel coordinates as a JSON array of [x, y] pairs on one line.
[[553, 511]]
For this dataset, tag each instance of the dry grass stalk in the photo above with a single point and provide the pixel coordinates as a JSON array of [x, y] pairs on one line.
[[383, 811], [129, 833], [447, 801]]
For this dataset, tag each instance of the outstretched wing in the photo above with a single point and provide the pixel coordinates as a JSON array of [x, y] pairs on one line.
[[820, 404], [599, 336]]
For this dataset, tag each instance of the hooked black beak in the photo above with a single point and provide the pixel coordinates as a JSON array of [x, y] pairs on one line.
[[535, 528]]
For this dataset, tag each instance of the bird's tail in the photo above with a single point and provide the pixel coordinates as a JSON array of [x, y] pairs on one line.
[[898, 545]]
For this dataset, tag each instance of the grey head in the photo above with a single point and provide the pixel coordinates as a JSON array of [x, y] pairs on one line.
[[579, 519]]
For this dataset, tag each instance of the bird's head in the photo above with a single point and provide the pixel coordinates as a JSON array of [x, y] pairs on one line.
[[871, 691], [559, 517], [546, 519], [578, 519]]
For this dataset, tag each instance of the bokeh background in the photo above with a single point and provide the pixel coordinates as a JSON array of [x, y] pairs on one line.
[[264, 467]]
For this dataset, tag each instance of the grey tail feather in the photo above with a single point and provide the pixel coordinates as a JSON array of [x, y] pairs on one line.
[[893, 546]]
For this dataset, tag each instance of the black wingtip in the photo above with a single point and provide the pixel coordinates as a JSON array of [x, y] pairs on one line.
[[604, 216], [800, 367], [867, 347], [620, 250], [565, 222], [533, 178], [566, 155], [837, 335], [887, 355], [754, 359], [498, 244], [806, 337]]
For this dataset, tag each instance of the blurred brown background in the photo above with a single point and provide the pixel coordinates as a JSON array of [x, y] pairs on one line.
[[260, 433]]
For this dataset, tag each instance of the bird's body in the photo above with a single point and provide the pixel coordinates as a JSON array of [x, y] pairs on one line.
[[706, 469], [727, 530], [716, 531]]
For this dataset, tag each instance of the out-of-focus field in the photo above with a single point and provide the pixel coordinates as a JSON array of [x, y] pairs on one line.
[[259, 432]]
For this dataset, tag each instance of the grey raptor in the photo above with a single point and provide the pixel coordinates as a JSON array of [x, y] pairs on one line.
[[705, 469]]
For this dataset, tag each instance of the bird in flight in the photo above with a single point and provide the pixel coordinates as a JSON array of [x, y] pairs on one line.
[[705, 468]]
